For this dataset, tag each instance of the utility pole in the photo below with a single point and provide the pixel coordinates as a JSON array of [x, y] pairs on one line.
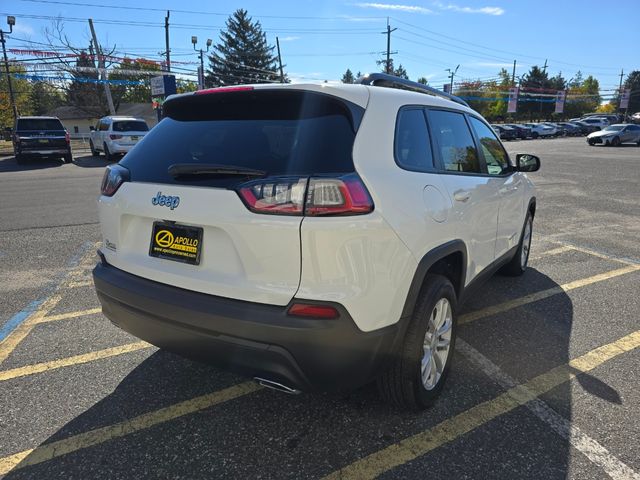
[[388, 33], [513, 75], [166, 40], [11, 21], [101, 69], [280, 60], [452, 73], [544, 70]]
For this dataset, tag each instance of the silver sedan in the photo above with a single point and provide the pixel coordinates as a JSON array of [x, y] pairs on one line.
[[615, 135]]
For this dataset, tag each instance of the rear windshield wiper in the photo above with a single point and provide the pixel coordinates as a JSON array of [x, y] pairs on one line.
[[211, 169]]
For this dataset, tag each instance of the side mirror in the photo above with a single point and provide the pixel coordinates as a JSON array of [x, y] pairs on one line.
[[526, 162], [92, 128]]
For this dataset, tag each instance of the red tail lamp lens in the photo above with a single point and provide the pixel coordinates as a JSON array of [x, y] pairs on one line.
[[283, 196], [115, 137], [114, 176], [345, 195], [313, 311]]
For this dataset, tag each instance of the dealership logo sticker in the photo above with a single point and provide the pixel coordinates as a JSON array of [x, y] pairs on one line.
[[164, 238], [165, 200]]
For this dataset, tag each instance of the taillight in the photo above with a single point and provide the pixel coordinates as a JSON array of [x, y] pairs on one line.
[[67, 137], [317, 196], [281, 196], [313, 311], [115, 137], [114, 176], [345, 195]]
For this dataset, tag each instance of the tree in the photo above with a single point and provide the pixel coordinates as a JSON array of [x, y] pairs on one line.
[[44, 97], [243, 54], [134, 93], [633, 83], [348, 77], [423, 80], [398, 72], [21, 95]]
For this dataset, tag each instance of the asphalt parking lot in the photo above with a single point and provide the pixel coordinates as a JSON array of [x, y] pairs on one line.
[[544, 383]]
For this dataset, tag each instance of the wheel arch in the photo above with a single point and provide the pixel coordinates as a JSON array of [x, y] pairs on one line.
[[449, 260]]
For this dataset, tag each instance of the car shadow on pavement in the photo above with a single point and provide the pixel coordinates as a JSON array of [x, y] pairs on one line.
[[9, 164], [90, 161], [266, 434]]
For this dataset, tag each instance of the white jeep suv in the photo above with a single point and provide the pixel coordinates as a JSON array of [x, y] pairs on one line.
[[313, 237], [116, 135]]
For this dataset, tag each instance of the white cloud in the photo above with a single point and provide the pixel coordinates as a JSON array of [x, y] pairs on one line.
[[496, 11], [289, 39], [395, 7]]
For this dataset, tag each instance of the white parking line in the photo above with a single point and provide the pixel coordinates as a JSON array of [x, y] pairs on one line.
[[588, 446]]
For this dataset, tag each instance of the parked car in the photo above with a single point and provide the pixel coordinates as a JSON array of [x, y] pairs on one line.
[[559, 131], [586, 128], [570, 129], [635, 118], [610, 117], [505, 133], [521, 131], [596, 122], [255, 217], [540, 130], [116, 135], [42, 137], [615, 135]]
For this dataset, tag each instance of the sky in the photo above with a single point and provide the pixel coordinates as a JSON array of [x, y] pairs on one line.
[[320, 39]]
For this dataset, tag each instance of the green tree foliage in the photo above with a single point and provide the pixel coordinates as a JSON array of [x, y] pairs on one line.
[[583, 96], [423, 80], [633, 83], [243, 54], [87, 96], [44, 98], [348, 77], [133, 93], [21, 94], [398, 72]]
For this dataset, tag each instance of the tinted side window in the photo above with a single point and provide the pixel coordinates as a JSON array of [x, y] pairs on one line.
[[494, 155], [104, 126], [412, 143], [455, 142]]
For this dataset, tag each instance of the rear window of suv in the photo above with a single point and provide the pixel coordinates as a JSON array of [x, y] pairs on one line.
[[130, 126], [39, 124], [282, 132]]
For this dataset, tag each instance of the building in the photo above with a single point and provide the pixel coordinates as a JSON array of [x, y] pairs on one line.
[[77, 120]]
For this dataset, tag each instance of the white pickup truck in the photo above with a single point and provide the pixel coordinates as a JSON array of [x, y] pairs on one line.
[[116, 135]]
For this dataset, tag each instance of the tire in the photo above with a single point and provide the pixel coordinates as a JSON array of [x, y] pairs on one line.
[[68, 158], [591, 142], [94, 152], [401, 381], [107, 154], [20, 159], [535, 135], [518, 264], [616, 141]]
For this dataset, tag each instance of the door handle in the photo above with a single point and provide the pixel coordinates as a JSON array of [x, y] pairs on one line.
[[462, 195]]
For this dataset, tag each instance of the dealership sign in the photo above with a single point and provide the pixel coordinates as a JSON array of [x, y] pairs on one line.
[[561, 97], [513, 100], [624, 98]]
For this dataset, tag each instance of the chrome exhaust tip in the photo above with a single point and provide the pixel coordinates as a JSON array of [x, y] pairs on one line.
[[276, 386]]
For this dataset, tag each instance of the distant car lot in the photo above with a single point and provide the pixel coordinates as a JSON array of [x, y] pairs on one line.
[[547, 365]]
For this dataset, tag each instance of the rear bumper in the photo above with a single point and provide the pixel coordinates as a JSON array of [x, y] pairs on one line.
[[43, 152], [252, 339]]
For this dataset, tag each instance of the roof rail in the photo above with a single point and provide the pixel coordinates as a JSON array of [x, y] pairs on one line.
[[391, 81]]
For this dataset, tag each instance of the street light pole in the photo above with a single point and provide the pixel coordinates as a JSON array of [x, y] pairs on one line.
[[452, 73], [11, 21], [194, 41]]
